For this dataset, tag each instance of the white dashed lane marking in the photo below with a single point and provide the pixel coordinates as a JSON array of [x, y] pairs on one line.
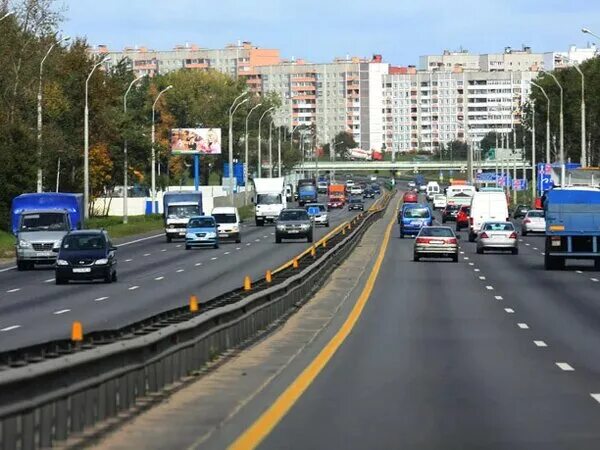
[[147, 254], [49, 280], [128, 260], [527, 244], [595, 280], [248, 244], [523, 326], [100, 299], [475, 270], [178, 245], [62, 311], [256, 240], [471, 264], [213, 258], [535, 248], [578, 271], [564, 366], [509, 310], [226, 253], [540, 344], [12, 327], [596, 397], [238, 248], [159, 278], [164, 250], [490, 288], [498, 297], [180, 270], [133, 288], [466, 258], [198, 264], [10, 291], [482, 278]]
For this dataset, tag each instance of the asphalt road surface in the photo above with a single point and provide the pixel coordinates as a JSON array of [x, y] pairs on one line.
[[153, 276]]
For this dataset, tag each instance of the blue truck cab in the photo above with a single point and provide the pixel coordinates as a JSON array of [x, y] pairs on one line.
[[39, 222], [307, 193], [572, 226], [413, 217]]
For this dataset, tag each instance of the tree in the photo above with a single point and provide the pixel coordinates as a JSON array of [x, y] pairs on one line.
[[343, 141]]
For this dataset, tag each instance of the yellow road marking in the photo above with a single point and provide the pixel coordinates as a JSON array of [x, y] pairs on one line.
[[261, 428]]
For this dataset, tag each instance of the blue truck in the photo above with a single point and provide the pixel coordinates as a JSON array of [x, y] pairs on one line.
[[307, 192], [572, 226], [178, 207], [39, 221]]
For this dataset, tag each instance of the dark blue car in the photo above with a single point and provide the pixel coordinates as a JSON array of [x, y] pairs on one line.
[[413, 217]]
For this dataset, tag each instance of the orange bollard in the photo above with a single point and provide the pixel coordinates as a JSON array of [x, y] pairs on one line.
[[268, 277], [324, 244], [77, 332], [343, 231], [295, 264], [313, 252], [194, 304], [247, 283]]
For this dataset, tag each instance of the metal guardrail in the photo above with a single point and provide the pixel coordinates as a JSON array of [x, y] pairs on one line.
[[55, 399]]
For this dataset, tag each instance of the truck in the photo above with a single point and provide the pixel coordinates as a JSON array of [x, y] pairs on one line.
[[337, 196], [572, 226], [307, 191], [39, 222], [178, 207], [269, 199]]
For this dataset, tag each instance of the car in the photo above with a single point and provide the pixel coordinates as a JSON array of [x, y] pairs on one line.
[[373, 178], [376, 188], [423, 188], [462, 217], [293, 223], [449, 213], [368, 193], [228, 223], [486, 206], [439, 201], [497, 236], [412, 184], [414, 217], [410, 197], [202, 231], [322, 187], [86, 255], [440, 242], [533, 222], [431, 189], [349, 184], [356, 203], [356, 190], [519, 211], [318, 213]]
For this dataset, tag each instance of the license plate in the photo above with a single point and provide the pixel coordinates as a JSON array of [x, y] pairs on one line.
[[82, 270], [223, 234], [293, 231], [45, 253], [437, 242], [416, 224], [555, 243]]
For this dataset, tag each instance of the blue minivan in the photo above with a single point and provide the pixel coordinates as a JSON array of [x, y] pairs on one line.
[[201, 231], [414, 216]]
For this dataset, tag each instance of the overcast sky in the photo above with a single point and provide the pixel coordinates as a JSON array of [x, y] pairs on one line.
[[319, 30]]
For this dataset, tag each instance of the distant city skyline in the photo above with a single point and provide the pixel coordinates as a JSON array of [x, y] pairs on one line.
[[319, 31]]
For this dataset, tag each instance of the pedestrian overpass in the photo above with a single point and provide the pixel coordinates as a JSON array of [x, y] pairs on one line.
[[414, 166]]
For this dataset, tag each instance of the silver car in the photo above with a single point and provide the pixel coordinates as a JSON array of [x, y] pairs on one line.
[[533, 222], [318, 213], [440, 242], [497, 236]]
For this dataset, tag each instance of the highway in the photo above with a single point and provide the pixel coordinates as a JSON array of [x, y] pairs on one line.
[[492, 352], [153, 276]]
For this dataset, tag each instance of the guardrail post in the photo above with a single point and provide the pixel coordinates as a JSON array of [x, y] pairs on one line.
[[111, 398], [27, 431], [76, 416], [101, 414], [90, 407], [60, 420], [46, 412], [9, 433]]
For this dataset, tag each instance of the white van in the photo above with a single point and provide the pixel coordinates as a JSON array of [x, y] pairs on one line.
[[432, 189], [451, 191], [228, 222], [486, 206]]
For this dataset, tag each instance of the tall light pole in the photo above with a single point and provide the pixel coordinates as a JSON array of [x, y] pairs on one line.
[[279, 152], [125, 161], [259, 171], [246, 157], [547, 120], [583, 143], [86, 142], [153, 162], [39, 113], [232, 109], [588, 31], [10, 13], [271, 148], [562, 131], [533, 164]]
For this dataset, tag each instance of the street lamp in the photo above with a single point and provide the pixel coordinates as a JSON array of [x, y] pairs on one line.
[[86, 141], [562, 129], [39, 112], [260, 140], [271, 147], [153, 150], [125, 161], [246, 160], [232, 109], [547, 120], [10, 13], [583, 143], [587, 31]]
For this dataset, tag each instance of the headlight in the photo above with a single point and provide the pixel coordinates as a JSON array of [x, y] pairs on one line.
[[211, 235], [190, 235], [305, 226], [62, 262], [281, 227], [24, 244], [101, 262], [235, 228], [57, 244]]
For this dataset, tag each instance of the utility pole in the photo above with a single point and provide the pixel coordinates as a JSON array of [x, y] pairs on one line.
[[279, 152]]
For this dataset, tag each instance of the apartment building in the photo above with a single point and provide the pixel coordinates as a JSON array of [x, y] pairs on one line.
[[575, 55], [426, 109], [511, 60], [344, 95]]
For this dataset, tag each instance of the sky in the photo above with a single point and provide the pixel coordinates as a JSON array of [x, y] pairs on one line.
[[319, 30]]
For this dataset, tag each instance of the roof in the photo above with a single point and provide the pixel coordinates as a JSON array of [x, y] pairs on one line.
[[573, 196], [224, 210], [87, 231]]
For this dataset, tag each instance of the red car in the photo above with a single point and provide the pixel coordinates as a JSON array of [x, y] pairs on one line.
[[410, 197], [462, 218]]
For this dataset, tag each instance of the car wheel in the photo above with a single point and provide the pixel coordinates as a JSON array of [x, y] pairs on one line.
[[416, 257], [108, 277], [455, 258], [115, 277], [188, 247], [472, 237], [215, 246], [22, 266], [515, 251], [401, 235], [277, 239], [260, 223], [238, 241], [327, 224], [457, 228], [309, 238], [480, 251], [60, 280], [169, 239], [443, 220], [597, 264], [524, 232]]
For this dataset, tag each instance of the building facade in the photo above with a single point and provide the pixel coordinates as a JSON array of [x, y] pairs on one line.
[[510, 60], [559, 60]]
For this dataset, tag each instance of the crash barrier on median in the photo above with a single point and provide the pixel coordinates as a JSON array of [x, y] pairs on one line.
[[45, 400]]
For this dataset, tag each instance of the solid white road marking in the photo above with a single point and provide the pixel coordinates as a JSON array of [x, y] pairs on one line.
[[10, 291], [133, 288], [100, 299], [490, 288], [12, 327], [499, 297], [159, 278], [62, 311], [540, 344], [49, 280], [7, 269], [180, 270], [523, 326], [509, 310], [564, 366], [139, 240], [596, 397]]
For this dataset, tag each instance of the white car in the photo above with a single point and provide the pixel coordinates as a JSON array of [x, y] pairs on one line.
[[356, 190], [412, 184], [439, 201], [533, 222], [228, 222]]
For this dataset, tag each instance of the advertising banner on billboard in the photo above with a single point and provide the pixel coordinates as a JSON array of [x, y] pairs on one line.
[[194, 141]]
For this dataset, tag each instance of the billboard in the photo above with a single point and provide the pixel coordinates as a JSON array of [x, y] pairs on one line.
[[193, 141]]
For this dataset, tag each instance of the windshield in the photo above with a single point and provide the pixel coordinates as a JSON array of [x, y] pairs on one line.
[[293, 215], [268, 199], [202, 222], [307, 188], [84, 242], [321, 207], [44, 222], [499, 227], [436, 232], [355, 200], [535, 214], [225, 218], [182, 211], [416, 213], [452, 208]]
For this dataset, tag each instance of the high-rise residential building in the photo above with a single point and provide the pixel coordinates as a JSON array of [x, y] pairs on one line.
[[426, 109], [559, 60], [510, 60]]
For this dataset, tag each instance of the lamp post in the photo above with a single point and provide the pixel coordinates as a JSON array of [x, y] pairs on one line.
[[547, 120], [259, 171], [583, 141], [232, 109], [279, 152], [533, 164], [588, 31], [10, 13], [39, 112], [125, 161], [271, 148], [246, 157], [562, 130], [86, 142], [153, 162]]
